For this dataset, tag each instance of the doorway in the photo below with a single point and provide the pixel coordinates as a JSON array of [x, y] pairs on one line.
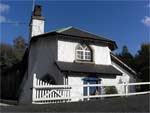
[[93, 90]]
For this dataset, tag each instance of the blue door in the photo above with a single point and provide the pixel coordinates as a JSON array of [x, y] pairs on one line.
[[90, 80], [93, 89]]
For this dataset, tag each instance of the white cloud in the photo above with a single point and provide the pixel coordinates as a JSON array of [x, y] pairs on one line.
[[146, 21], [4, 8], [148, 5], [2, 19]]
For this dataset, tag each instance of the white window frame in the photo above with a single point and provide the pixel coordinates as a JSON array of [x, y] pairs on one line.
[[85, 55]]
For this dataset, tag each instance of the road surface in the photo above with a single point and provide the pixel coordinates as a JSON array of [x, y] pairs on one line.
[[138, 103]]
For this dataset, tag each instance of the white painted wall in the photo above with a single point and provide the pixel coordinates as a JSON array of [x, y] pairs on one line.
[[76, 91], [37, 27], [66, 53], [108, 81], [101, 55]]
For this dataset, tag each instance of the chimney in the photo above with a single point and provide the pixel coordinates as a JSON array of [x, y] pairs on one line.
[[37, 10], [37, 22]]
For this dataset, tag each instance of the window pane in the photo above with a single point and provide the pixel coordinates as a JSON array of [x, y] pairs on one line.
[[89, 57], [89, 53], [86, 57], [86, 53]]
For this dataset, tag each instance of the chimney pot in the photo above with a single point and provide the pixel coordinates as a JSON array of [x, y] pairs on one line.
[[37, 10]]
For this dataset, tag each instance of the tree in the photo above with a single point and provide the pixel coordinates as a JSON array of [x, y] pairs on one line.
[[11, 55], [19, 47], [142, 62], [126, 56], [7, 56], [125, 50], [19, 43]]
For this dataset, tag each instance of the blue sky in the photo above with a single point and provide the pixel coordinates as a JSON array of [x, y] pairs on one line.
[[126, 22]]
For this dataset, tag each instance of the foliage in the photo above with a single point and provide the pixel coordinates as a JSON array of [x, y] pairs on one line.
[[126, 56], [19, 47], [110, 90], [7, 56], [11, 55], [142, 62]]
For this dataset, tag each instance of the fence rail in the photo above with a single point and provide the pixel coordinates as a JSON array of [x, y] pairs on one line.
[[46, 93]]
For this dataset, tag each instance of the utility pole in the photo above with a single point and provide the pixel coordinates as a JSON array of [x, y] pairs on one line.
[[33, 4]]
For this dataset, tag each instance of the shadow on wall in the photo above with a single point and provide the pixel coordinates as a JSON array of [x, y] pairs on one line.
[[49, 79]]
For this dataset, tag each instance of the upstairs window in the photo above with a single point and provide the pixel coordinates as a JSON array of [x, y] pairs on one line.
[[83, 53]]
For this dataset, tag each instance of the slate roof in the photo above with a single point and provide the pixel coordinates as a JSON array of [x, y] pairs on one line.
[[81, 33], [122, 64], [77, 33], [87, 68]]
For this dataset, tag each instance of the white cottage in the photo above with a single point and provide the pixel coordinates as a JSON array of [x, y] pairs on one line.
[[71, 56]]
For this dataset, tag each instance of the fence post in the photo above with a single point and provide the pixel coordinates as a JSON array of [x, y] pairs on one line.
[[88, 91], [126, 86], [33, 89], [102, 92]]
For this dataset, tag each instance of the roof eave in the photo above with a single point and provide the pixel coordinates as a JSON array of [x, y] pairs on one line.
[[112, 44]]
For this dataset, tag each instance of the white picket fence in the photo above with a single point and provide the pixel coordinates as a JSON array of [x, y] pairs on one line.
[[44, 92]]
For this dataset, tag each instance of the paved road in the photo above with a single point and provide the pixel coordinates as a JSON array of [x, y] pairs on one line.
[[138, 103], [3, 104]]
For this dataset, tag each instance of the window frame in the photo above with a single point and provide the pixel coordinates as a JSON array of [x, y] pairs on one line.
[[85, 53]]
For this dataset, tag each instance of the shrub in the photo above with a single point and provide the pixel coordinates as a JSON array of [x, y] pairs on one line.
[[110, 90]]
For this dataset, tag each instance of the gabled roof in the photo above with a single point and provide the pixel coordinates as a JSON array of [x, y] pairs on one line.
[[83, 35], [87, 68]]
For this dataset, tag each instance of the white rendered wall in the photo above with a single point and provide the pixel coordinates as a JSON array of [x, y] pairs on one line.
[[37, 27], [76, 91], [108, 81], [101, 55], [66, 53]]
